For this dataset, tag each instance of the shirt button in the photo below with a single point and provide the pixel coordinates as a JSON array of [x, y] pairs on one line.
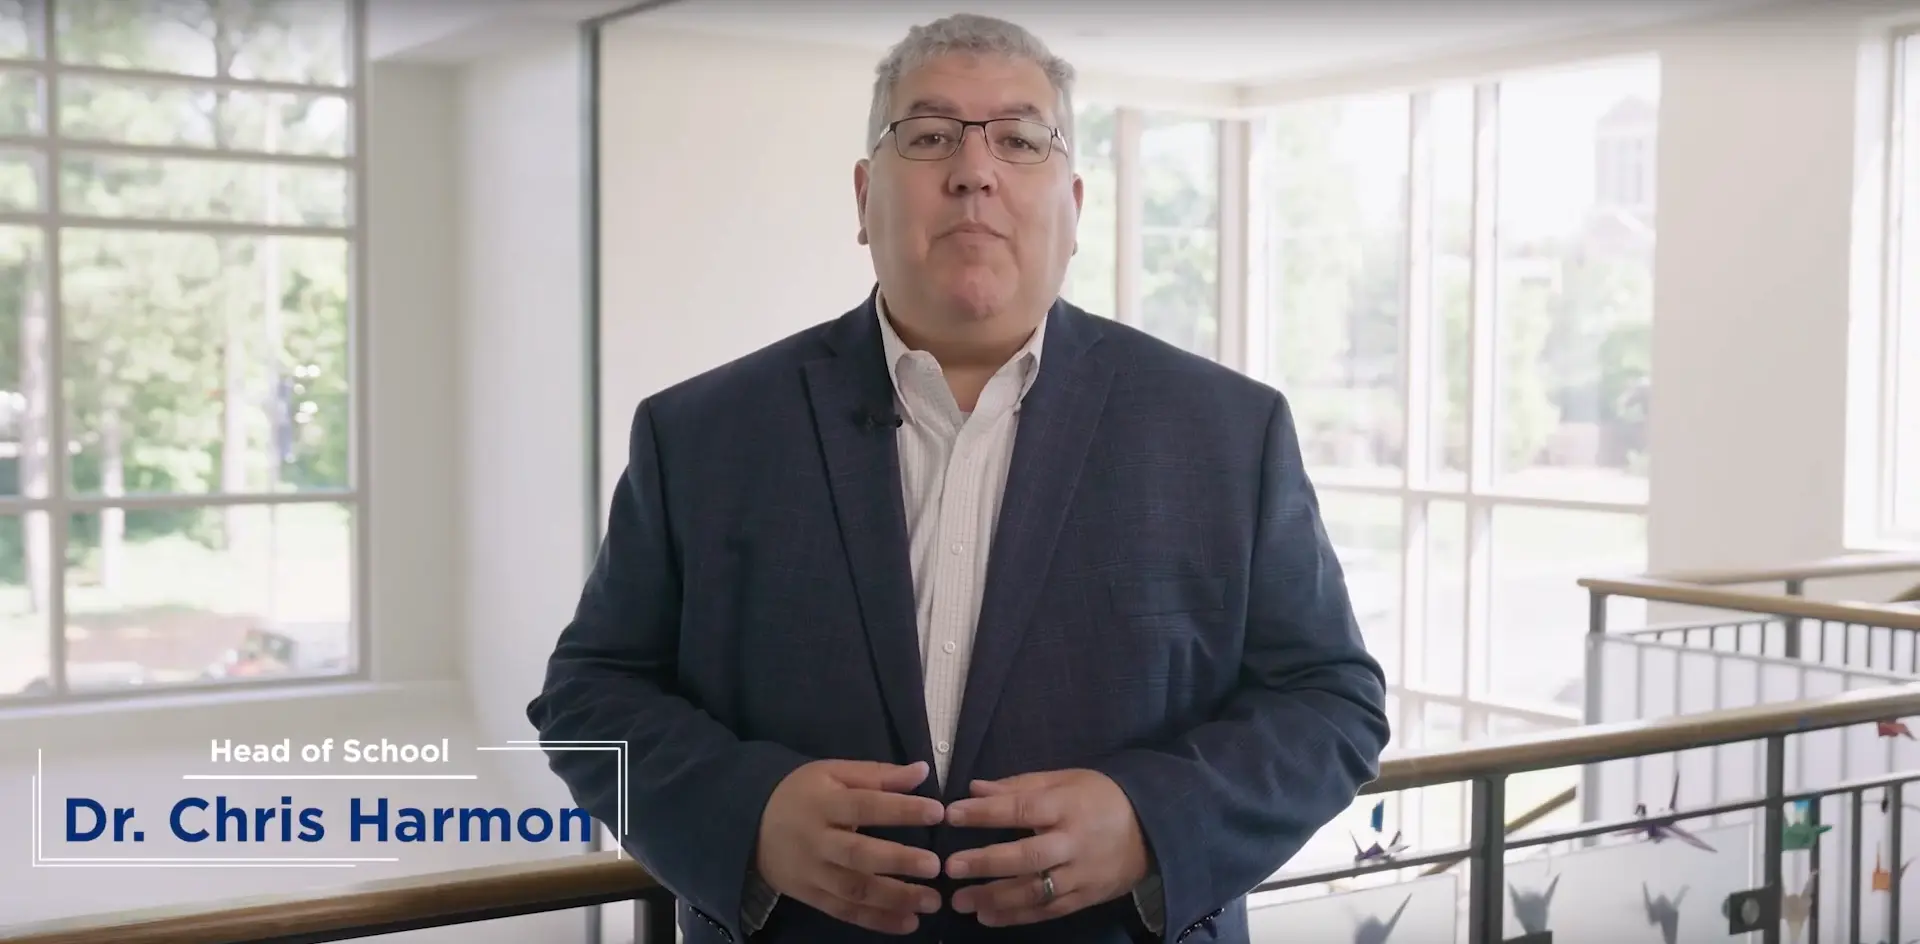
[[957, 547], [949, 647], [942, 747]]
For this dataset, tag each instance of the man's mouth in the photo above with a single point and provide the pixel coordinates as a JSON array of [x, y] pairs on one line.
[[978, 229]]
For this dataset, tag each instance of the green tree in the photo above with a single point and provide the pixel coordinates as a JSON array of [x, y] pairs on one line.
[[1090, 281], [1179, 231], [193, 362], [1336, 294]]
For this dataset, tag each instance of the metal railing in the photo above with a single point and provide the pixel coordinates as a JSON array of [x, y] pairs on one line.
[[1874, 636], [1488, 767], [485, 894], [1746, 647]]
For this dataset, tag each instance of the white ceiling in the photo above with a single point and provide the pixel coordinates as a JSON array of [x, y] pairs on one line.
[[1245, 42]]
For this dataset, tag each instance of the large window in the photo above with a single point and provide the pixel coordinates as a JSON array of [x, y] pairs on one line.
[[178, 197], [1090, 276], [1179, 289], [1457, 292], [1896, 504], [1149, 248]]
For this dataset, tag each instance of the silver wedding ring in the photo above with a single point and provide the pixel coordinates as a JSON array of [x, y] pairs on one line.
[[1046, 887]]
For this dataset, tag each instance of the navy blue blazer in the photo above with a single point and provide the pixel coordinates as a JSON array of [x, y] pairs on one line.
[[1162, 605]]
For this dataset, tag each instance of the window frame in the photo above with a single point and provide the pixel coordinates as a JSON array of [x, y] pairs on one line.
[[1245, 324], [61, 502], [1874, 517]]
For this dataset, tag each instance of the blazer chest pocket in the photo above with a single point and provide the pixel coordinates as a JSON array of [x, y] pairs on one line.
[[1166, 595]]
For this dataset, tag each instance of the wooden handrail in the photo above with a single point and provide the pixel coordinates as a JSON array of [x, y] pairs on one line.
[[1845, 565], [363, 910], [576, 881], [1746, 601]]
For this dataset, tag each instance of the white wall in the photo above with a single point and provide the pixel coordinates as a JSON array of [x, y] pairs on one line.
[[727, 215], [524, 368], [1748, 428], [413, 438]]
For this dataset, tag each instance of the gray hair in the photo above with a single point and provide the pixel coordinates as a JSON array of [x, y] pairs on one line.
[[975, 34]]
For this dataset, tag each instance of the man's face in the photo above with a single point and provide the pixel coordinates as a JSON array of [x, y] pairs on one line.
[[970, 237]]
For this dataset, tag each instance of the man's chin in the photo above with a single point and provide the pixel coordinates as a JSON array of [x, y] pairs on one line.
[[980, 298]]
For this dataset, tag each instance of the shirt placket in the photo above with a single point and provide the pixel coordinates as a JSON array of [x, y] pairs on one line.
[[954, 587]]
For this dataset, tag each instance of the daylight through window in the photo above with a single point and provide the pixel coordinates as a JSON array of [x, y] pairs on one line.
[[178, 197]]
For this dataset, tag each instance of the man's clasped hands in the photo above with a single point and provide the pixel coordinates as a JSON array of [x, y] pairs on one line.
[[1086, 847]]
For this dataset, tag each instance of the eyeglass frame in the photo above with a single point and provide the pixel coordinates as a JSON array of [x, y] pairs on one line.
[[1053, 136]]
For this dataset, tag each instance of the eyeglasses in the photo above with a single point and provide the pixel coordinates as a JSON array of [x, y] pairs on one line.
[[936, 138]]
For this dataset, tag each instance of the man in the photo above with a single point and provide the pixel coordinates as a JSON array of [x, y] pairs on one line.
[[967, 615]]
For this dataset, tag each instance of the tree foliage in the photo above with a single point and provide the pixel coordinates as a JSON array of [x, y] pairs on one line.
[[192, 362]]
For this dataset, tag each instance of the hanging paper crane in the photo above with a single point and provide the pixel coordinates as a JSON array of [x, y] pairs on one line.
[[1661, 832], [1894, 727], [1803, 832], [1531, 908], [1375, 931], [1798, 907], [1379, 851], [1664, 912], [1883, 879]]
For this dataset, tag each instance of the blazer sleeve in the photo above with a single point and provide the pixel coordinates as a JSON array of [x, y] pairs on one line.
[[1225, 805], [694, 791]]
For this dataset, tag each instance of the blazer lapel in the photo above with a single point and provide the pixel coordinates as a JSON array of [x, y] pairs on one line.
[[1058, 419], [863, 472]]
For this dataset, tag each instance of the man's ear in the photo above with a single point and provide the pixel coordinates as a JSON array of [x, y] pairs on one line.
[[1079, 209], [862, 176]]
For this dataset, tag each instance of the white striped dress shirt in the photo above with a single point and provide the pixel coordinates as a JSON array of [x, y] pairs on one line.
[[953, 471]]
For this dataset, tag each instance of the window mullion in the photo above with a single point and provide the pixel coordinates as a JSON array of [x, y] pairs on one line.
[[1482, 392], [55, 437]]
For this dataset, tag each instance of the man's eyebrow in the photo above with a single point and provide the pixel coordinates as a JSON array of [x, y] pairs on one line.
[[931, 106], [941, 106]]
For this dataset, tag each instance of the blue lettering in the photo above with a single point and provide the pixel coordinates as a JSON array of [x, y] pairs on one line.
[[181, 831], [74, 806], [310, 828], [378, 820]]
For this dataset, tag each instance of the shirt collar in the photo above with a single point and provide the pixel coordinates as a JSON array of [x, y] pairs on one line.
[[1027, 357]]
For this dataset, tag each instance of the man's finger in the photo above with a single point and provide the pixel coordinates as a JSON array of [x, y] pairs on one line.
[[868, 855], [1025, 809], [1064, 905], [854, 808], [871, 775], [1044, 778], [874, 902], [1022, 900], [1021, 857], [859, 889]]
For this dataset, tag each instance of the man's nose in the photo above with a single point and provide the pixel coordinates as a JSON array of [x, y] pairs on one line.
[[974, 168]]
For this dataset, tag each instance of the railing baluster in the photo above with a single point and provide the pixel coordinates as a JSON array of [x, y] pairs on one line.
[[1895, 808], [1714, 754], [1486, 915], [1590, 787], [653, 919], [1816, 811], [1852, 871], [1792, 623], [1776, 825]]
